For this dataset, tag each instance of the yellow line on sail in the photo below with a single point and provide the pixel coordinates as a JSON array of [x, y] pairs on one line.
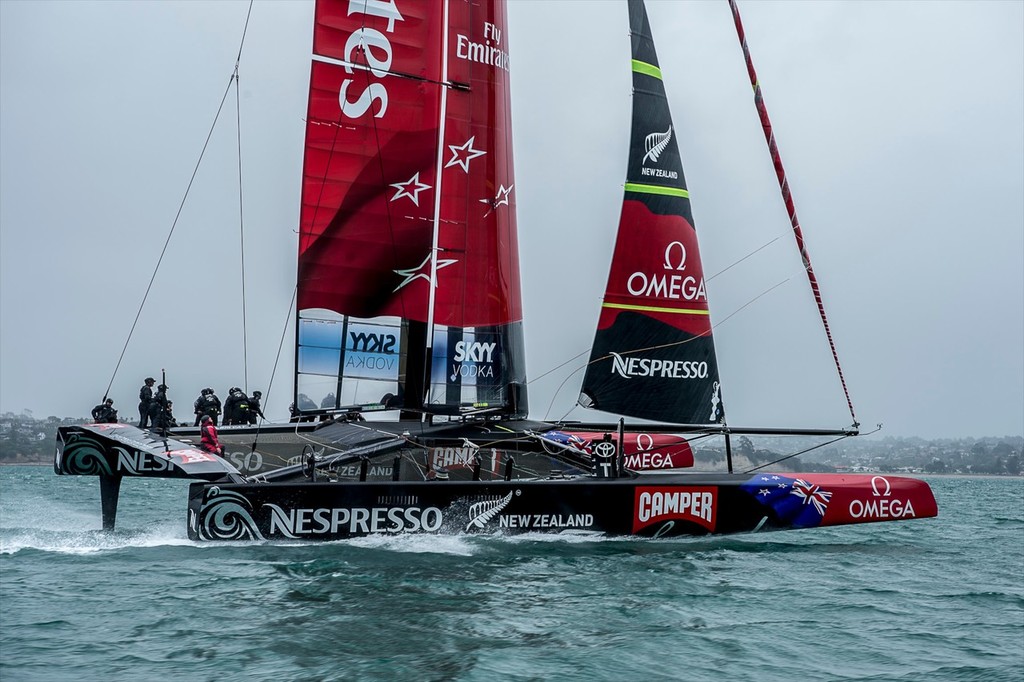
[[647, 69], [653, 309], [655, 189]]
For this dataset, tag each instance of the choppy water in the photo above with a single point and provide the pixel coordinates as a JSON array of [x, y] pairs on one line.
[[939, 599]]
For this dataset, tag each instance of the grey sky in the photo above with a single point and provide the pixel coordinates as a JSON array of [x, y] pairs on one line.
[[901, 125]]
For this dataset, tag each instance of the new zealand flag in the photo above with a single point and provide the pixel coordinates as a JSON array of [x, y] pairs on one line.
[[794, 500], [569, 439]]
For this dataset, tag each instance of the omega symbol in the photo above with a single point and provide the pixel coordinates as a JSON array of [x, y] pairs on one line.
[[644, 441], [669, 251], [874, 486]]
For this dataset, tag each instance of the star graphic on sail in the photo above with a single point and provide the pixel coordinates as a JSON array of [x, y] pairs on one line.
[[461, 156], [500, 199], [421, 271], [410, 188]]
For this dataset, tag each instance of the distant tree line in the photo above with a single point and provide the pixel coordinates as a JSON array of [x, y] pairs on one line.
[[27, 440]]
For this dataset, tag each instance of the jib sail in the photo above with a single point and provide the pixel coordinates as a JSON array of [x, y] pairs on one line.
[[653, 355], [408, 273]]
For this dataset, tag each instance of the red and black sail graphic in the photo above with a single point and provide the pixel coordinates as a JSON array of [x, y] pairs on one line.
[[653, 354], [408, 203]]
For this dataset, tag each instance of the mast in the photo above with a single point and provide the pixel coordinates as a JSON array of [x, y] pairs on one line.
[[787, 197]]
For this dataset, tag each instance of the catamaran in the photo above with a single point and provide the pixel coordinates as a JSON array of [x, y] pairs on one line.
[[409, 306]]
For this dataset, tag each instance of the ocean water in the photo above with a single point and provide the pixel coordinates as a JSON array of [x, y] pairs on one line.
[[937, 599]]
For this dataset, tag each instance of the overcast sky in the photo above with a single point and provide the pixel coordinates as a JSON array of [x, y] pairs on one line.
[[901, 125]]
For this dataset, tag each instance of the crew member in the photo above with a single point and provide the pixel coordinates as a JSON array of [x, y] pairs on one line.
[[169, 415], [208, 440], [206, 403], [104, 413], [158, 410], [212, 405], [145, 398], [254, 407], [236, 407]]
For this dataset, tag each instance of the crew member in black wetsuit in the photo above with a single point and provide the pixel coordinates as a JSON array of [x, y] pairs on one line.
[[104, 413], [207, 404], [158, 410], [254, 407], [169, 415], [145, 398], [231, 403]]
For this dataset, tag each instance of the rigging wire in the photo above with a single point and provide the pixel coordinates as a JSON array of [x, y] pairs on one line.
[[640, 350], [737, 262], [780, 174], [177, 215], [708, 279], [277, 359], [814, 447]]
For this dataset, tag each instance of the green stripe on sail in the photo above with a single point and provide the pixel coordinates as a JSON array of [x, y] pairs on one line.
[[655, 189], [647, 69], [653, 309]]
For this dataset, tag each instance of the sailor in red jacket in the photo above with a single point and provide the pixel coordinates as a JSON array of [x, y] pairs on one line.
[[208, 437]]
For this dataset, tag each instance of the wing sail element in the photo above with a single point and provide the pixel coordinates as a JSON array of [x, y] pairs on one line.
[[653, 355], [408, 272]]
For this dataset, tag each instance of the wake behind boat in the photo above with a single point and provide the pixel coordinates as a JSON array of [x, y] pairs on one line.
[[408, 301]]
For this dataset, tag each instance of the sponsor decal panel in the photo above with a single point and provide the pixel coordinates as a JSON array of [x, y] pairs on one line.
[[192, 456], [473, 359], [545, 521], [452, 458], [375, 47], [371, 351], [655, 505], [673, 283], [641, 452], [632, 366], [488, 51], [885, 499], [806, 500], [303, 522], [355, 471], [248, 461]]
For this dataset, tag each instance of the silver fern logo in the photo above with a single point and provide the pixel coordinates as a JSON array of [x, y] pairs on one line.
[[655, 144], [226, 515], [482, 512]]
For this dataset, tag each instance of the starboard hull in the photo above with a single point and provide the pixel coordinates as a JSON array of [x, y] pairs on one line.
[[649, 506]]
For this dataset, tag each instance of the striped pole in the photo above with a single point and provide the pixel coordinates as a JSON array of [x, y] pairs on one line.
[[780, 173]]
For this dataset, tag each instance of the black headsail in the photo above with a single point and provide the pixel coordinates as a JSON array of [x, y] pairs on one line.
[[653, 355]]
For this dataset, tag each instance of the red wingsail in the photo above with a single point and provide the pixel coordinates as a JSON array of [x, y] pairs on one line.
[[408, 207], [408, 129]]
